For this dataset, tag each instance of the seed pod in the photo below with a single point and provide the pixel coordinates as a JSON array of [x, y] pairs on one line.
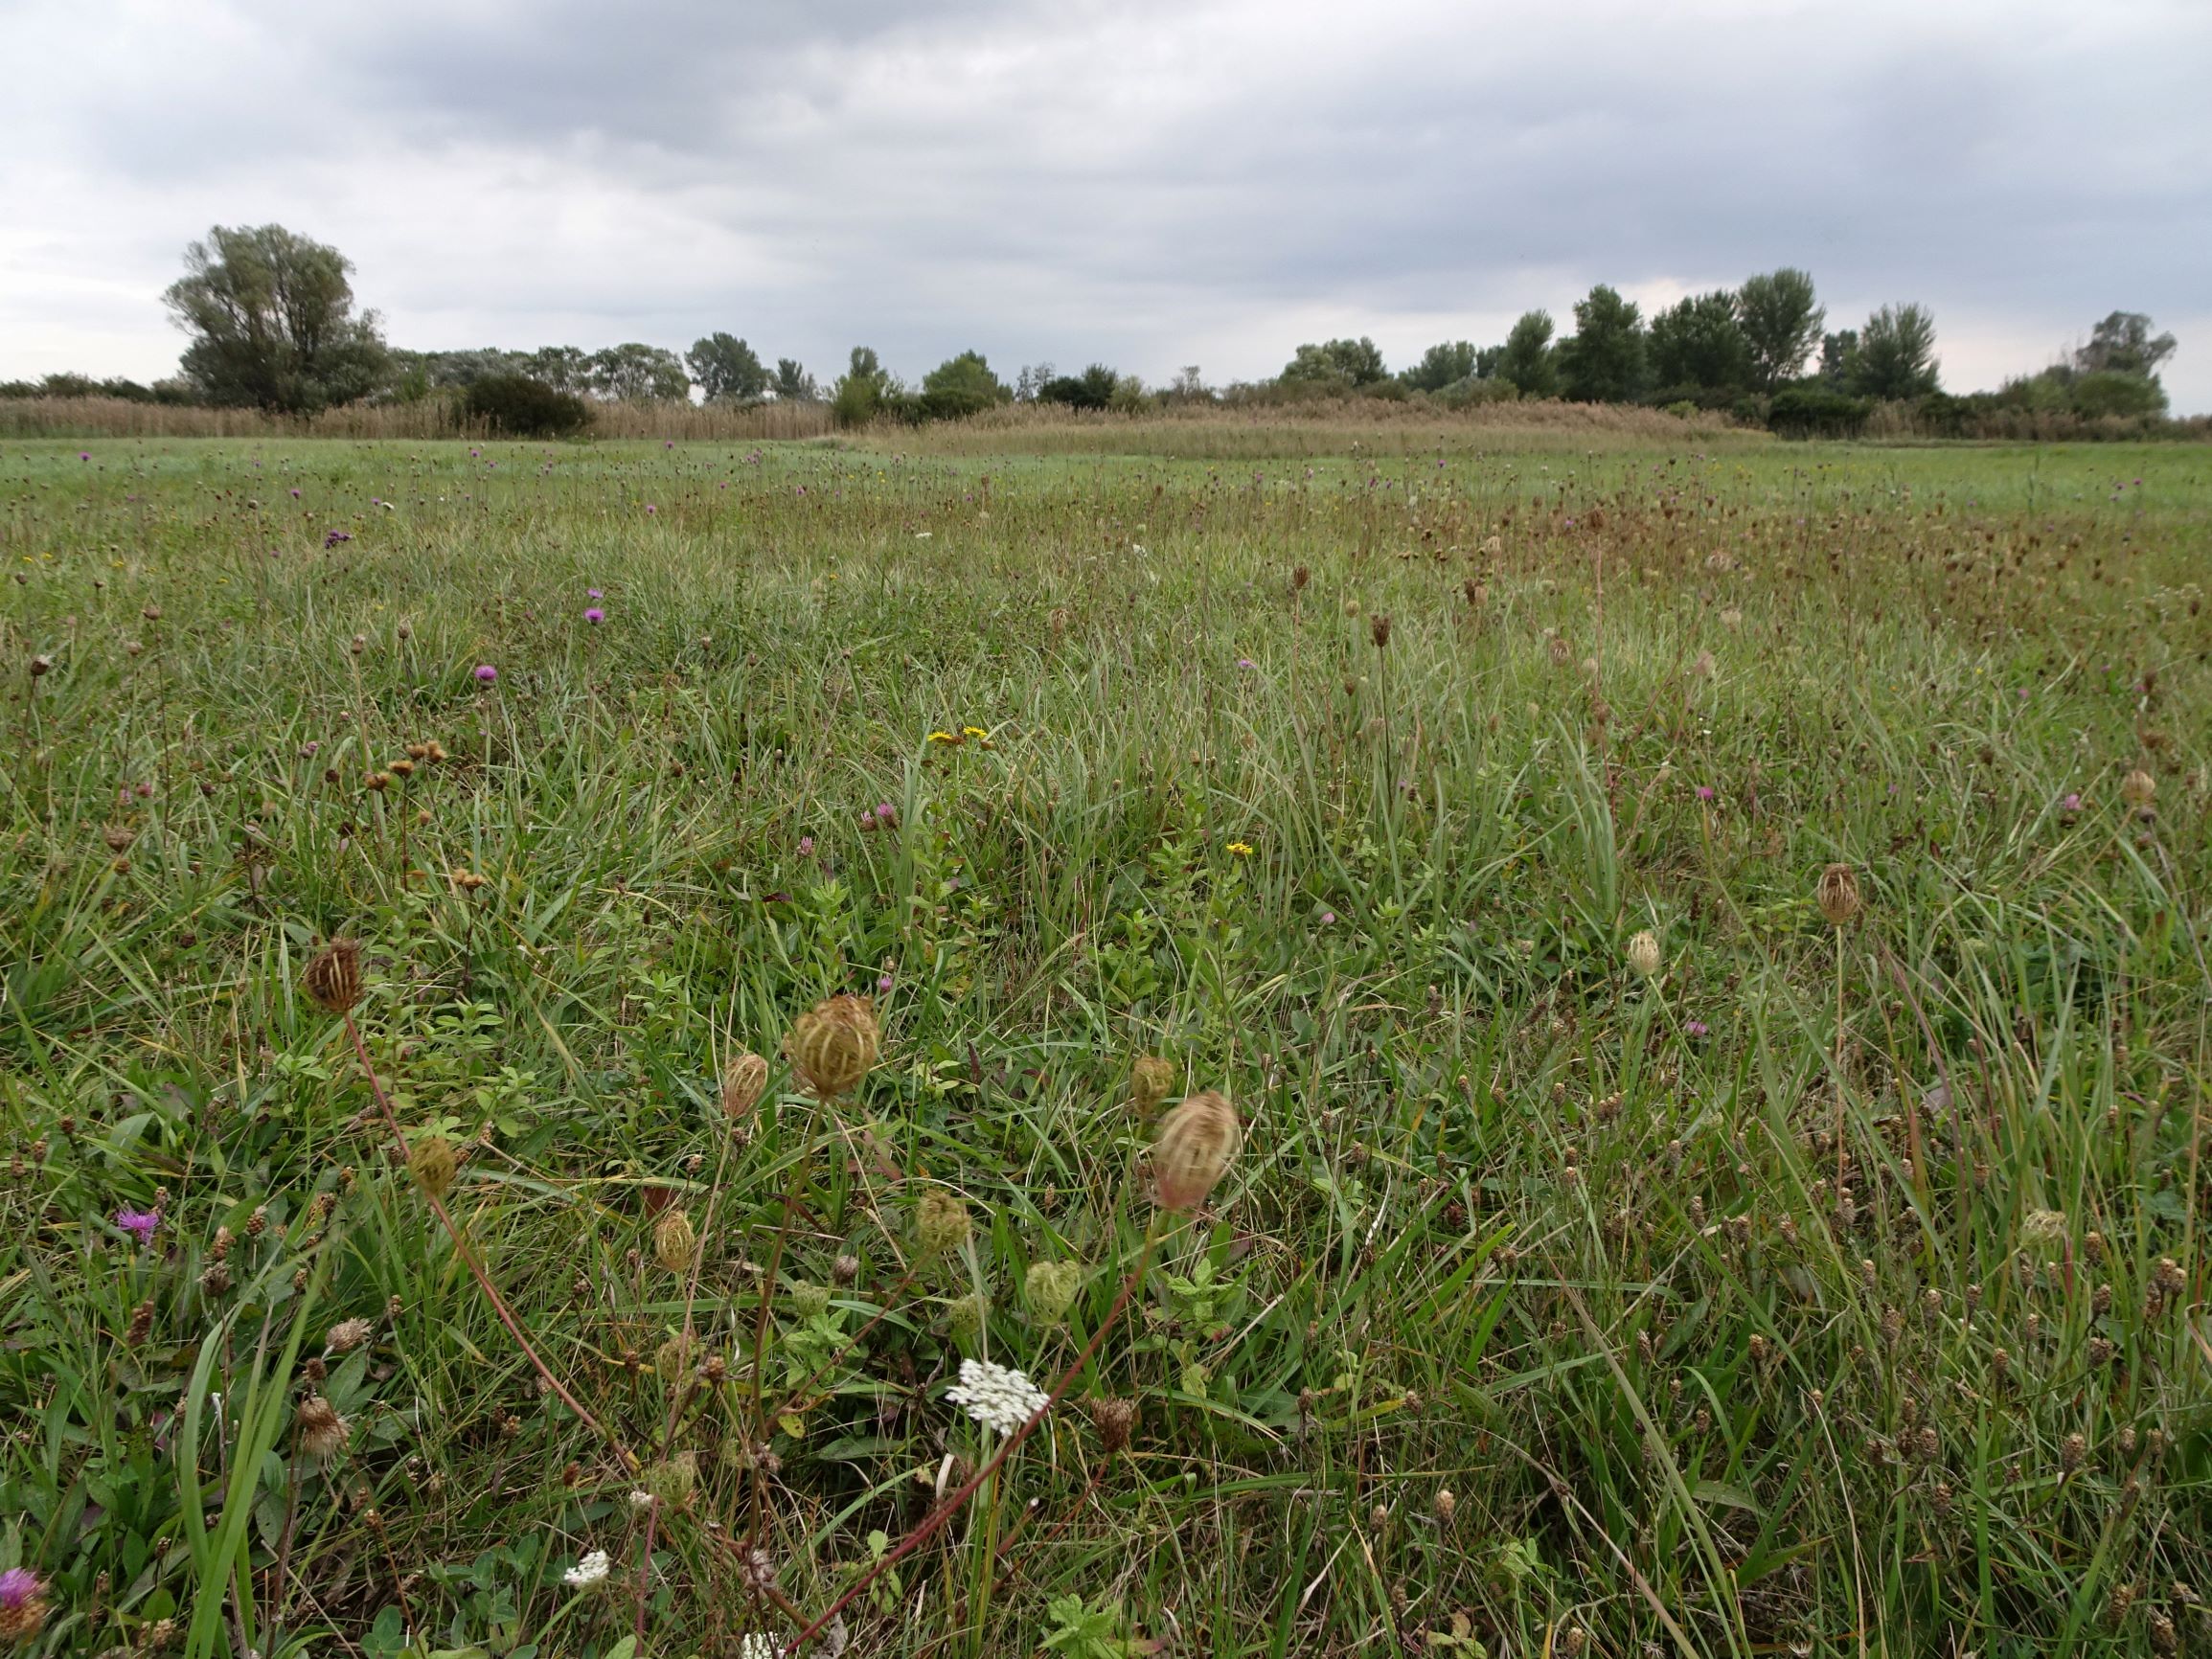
[[1838, 895], [834, 1045], [432, 1162], [675, 1244], [1196, 1142], [744, 1081], [333, 979]]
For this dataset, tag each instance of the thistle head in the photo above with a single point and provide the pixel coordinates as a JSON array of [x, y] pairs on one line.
[[1644, 954], [333, 979], [433, 1163], [744, 1081], [835, 1044], [1150, 1078], [1198, 1138], [675, 1243], [1838, 895]]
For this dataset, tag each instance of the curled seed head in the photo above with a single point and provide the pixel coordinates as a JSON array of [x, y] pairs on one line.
[[1051, 1288], [940, 1223], [1838, 895], [675, 1243], [835, 1044], [1196, 1142], [744, 1081], [2138, 788], [333, 979], [1150, 1078]]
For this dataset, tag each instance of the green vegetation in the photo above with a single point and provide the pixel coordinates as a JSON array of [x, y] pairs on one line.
[[1639, 1241]]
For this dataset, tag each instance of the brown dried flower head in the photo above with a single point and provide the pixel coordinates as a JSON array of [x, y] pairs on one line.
[[347, 1335], [333, 979], [322, 1430], [1115, 1419], [1644, 954], [744, 1081], [1196, 1143], [675, 1243], [2138, 788], [1838, 895], [835, 1044], [1379, 630]]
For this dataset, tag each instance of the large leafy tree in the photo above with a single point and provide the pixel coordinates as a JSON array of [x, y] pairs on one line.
[[632, 373], [272, 324], [727, 370], [1442, 365], [1343, 364], [962, 386], [794, 384], [2123, 344], [1092, 389], [1697, 346], [1606, 360], [1781, 319], [865, 389], [1896, 354], [1526, 361]]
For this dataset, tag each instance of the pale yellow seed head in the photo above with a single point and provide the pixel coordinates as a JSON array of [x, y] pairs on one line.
[[1198, 1139]]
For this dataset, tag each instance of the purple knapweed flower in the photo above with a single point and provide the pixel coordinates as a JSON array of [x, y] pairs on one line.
[[1696, 1028], [1705, 793], [593, 593], [19, 1587], [651, 507], [594, 615], [805, 846], [2071, 803], [883, 982], [139, 1224], [486, 673]]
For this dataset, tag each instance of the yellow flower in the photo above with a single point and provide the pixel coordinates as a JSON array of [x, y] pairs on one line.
[[1242, 848], [973, 732], [944, 737]]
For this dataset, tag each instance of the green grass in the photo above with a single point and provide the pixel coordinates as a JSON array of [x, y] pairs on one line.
[[1509, 1222]]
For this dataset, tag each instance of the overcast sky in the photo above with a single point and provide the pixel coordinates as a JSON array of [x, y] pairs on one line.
[[1150, 185]]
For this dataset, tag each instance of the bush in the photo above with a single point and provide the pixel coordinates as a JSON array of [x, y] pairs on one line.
[[1815, 412], [521, 407]]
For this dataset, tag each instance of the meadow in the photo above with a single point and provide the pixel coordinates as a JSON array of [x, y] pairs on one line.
[[1702, 940]]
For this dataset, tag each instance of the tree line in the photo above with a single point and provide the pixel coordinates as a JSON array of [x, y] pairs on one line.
[[271, 324]]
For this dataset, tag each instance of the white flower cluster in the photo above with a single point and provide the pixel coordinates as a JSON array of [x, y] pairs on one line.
[[759, 1646], [995, 1397], [590, 1572]]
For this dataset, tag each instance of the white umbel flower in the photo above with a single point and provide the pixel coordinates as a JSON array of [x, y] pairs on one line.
[[588, 1573], [995, 1397], [759, 1646], [640, 1501]]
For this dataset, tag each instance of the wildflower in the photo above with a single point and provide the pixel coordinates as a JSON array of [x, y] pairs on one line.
[[322, 1430], [594, 615], [40, 665], [1196, 1142], [1150, 1078], [347, 1335], [675, 1243], [1051, 1288], [940, 1224], [884, 983], [589, 1573], [973, 732], [744, 1081], [1328, 919], [333, 979], [1696, 1028], [2137, 789], [1241, 849], [755, 1646], [2070, 804], [1379, 630], [999, 1399], [1247, 663], [886, 816], [640, 1500], [944, 737], [1838, 893], [22, 1604], [486, 673], [139, 1224], [433, 1163], [593, 593], [835, 1044], [1644, 954]]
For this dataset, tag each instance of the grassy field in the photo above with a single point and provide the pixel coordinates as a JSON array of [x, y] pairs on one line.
[[1760, 1285]]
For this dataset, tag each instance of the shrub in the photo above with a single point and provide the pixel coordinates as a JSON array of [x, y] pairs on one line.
[[1815, 412], [522, 407]]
